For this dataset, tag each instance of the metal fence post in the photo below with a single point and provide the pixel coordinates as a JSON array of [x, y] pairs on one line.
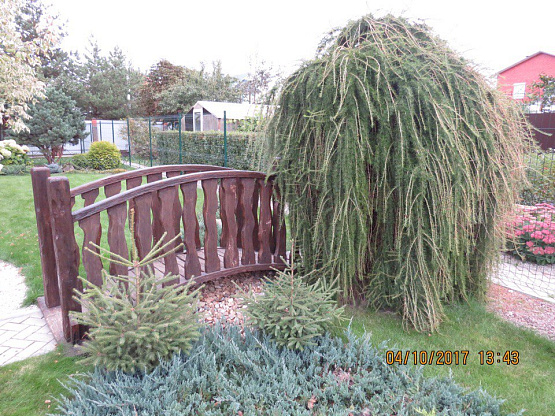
[[129, 140], [180, 140], [113, 134], [150, 138], [225, 139]]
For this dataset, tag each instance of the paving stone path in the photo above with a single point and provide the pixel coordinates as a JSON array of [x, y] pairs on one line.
[[24, 332]]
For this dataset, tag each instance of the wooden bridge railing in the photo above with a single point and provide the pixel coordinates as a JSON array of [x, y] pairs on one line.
[[252, 226]]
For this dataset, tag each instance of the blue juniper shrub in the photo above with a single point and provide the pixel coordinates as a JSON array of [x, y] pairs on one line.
[[225, 374]]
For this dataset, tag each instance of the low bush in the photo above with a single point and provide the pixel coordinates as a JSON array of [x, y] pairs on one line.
[[134, 320], [206, 148], [532, 233], [13, 157], [103, 156], [13, 169], [541, 176], [293, 312], [80, 161], [228, 374], [54, 168]]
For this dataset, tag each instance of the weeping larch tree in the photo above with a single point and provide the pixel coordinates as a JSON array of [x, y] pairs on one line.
[[398, 163]]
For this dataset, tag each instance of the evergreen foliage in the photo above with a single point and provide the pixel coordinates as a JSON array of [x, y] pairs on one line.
[[134, 320], [398, 162], [54, 122], [227, 374], [206, 147], [103, 155], [291, 311]]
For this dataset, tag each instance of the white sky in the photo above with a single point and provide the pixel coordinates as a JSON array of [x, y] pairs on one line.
[[492, 33]]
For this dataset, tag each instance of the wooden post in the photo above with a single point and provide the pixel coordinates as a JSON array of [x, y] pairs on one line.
[[66, 251], [39, 179]]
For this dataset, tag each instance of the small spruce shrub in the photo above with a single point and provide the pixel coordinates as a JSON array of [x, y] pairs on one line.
[[104, 156], [292, 311], [228, 374], [134, 321]]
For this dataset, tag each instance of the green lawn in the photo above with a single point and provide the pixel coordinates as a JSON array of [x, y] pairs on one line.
[[529, 385], [30, 387], [18, 230]]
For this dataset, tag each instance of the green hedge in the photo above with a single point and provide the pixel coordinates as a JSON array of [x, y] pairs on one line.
[[206, 148]]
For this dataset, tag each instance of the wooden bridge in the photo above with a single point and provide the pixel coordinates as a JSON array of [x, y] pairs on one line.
[[163, 200]]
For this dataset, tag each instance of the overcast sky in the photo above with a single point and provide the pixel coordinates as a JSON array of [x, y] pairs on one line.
[[492, 33]]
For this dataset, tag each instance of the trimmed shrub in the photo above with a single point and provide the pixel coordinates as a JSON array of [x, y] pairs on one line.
[[291, 311], [207, 148], [226, 374], [80, 161], [103, 156], [399, 164], [532, 234]]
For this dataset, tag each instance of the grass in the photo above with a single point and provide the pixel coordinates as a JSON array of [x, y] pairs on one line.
[[528, 385], [30, 387], [18, 230]]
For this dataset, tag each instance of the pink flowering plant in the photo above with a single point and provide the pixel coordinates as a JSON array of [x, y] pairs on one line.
[[532, 233]]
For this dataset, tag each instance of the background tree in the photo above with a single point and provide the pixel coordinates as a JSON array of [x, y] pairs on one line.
[[101, 85], [256, 87], [55, 121], [19, 60], [28, 22], [161, 77], [543, 91], [171, 88]]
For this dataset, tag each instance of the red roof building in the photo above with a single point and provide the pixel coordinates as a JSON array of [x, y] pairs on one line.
[[517, 79]]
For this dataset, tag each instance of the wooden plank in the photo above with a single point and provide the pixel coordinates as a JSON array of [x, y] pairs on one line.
[[177, 209], [65, 248], [116, 237], [157, 228], [279, 233], [112, 189], [231, 255], [192, 264], [133, 182], [265, 223], [240, 213], [130, 184], [39, 179], [156, 170], [210, 207], [142, 224], [245, 204], [167, 198], [223, 236], [157, 185], [255, 205], [92, 230], [90, 197]]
